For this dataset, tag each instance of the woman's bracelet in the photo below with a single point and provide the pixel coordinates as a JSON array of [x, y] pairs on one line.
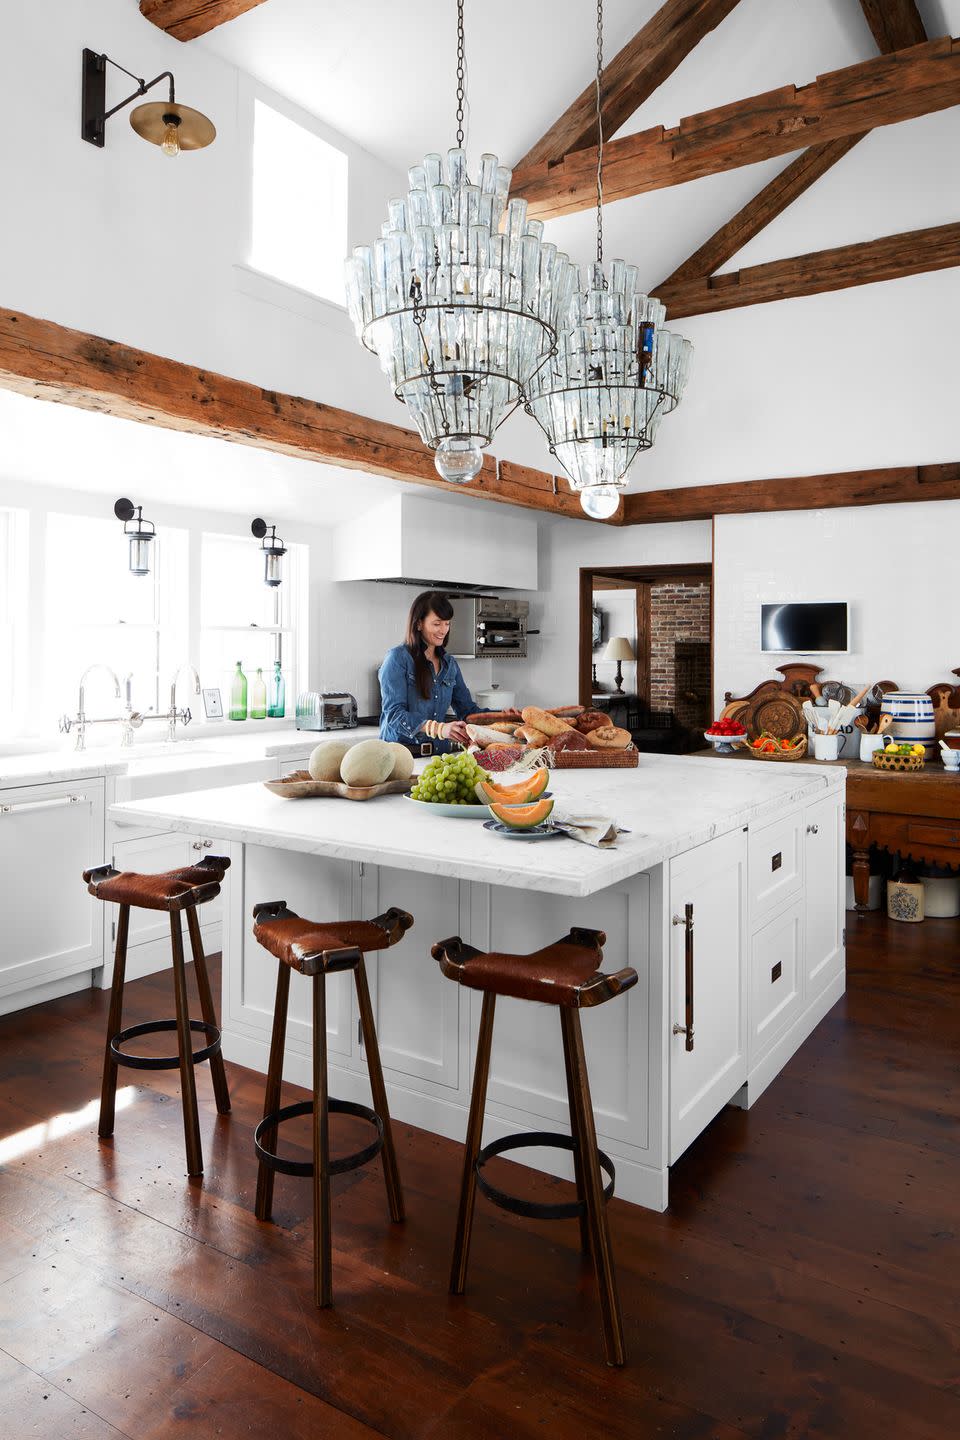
[[433, 729]]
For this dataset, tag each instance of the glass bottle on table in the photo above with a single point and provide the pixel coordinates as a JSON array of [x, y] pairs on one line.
[[276, 705], [258, 697], [238, 694]]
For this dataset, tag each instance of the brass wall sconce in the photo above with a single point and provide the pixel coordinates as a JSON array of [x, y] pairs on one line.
[[163, 122]]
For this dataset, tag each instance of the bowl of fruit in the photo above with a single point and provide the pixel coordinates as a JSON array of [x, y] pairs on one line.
[[725, 736], [900, 756]]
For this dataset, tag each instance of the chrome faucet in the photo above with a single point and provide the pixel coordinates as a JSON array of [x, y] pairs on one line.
[[131, 719], [173, 714], [80, 721]]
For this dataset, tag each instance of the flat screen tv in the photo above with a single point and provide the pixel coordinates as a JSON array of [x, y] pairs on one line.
[[806, 629]]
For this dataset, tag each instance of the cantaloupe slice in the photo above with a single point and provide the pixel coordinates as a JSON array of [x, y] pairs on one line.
[[520, 793], [522, 817]]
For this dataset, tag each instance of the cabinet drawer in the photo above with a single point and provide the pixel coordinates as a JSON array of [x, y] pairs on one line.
[[775, 865], [776, 979]]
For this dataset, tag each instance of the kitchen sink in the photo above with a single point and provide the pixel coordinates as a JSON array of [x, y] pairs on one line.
[[189, 768]]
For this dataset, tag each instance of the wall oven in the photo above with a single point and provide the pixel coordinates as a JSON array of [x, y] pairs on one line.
[[483, 627]]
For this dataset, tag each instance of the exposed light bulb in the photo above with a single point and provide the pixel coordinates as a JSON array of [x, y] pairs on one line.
[[600, 501], [170, 144], [458, 461]]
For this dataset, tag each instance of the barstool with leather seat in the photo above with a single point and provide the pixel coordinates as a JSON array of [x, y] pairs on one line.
[[567, 975], [319, 950], [175, 891]]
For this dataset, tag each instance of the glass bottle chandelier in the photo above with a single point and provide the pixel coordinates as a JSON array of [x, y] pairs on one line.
[[461, 314], [615, 373]]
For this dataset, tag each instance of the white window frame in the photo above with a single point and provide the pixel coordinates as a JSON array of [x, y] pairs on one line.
[[14, 571], [247, 279]]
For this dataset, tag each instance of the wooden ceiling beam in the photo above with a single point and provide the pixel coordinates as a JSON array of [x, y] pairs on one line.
[[881, 91], [631, 77], [797, 177], [894, 24], [49, 362], [186, 19], [889, 258], [889, 486], [757, 214]]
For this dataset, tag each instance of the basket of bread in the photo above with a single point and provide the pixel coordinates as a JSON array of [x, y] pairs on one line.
[[568, 738]]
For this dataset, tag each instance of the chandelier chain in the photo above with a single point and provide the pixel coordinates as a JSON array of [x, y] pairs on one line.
[[599, 132], [461, 65]]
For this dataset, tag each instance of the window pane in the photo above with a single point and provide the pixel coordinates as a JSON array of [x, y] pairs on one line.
[[299, 231], [88, 578], [232, 589], [221, 649]]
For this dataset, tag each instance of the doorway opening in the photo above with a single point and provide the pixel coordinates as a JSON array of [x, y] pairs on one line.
[[659, 620]]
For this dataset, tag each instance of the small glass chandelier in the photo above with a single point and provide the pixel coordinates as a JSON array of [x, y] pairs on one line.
[[616, 371], [460, 314]]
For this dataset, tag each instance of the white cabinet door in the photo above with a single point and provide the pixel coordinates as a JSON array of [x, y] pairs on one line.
[[824, 856], [776, 979], [706, 1073], [417, 1011], [49, 834]]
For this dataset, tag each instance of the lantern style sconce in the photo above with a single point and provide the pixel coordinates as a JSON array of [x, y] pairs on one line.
[[163, 122], [273, 550], [139, 532]]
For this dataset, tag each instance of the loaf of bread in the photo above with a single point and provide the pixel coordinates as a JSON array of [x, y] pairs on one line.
[[505, 727], [491, 717], [543, 720], [591, 720], [609, 737], [530, 735], [569, 740]]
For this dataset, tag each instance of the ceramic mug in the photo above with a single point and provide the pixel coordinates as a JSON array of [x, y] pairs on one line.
[[870, 743], [912, 716], [826, 747]]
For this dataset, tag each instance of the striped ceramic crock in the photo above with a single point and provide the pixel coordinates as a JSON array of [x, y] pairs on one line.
[[912, 716]]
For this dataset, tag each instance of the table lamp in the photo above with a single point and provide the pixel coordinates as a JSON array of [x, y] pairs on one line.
[[619, 649]]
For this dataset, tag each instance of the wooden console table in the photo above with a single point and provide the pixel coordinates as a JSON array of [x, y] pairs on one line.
[[915, 813]]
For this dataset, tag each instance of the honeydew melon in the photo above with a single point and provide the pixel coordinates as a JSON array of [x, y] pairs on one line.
[[402, 761], [326, 759], [369, 763], [522, 817]]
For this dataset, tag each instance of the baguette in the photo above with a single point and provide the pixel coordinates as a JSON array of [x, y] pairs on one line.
[[491, 717], [531, 735], [544, 720]]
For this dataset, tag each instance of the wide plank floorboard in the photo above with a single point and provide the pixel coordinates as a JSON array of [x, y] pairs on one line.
[[803, 1282]]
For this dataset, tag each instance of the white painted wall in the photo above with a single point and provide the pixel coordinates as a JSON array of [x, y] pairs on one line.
[[620, 618], [895, 565]]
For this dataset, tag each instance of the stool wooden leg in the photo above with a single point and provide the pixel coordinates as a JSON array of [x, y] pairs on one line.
[[108, 1089], [188, 1081], [596, 1208], [471, 1148], [208, 1010], [391, 1173], [271, 1100], [575, 1133], [322, 1256]]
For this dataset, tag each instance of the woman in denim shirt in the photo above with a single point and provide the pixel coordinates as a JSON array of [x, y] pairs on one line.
[[420, 682]]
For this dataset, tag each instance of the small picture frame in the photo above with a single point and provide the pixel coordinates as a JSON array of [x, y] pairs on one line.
[[596, 628], [212, 704]]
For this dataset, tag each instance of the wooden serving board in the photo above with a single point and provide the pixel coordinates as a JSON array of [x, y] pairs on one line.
[[776, 713], [299, 786]]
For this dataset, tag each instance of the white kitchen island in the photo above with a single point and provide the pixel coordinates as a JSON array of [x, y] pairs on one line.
[[757, 849]]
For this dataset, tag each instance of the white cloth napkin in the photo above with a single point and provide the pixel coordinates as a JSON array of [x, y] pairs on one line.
[[596, 830]]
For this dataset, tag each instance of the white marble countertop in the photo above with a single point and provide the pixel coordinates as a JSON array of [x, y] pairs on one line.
[[670, 804], [193, 750]]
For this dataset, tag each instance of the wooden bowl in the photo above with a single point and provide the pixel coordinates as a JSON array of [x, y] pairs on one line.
[[885, 760]]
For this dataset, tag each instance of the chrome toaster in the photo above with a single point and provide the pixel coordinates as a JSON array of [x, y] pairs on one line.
[[326, 710]]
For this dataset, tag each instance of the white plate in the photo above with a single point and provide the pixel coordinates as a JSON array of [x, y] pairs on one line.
[[455, 812], [547, 831]]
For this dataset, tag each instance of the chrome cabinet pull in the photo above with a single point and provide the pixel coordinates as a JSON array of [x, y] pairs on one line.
[[686, 920], [203, 844], [813, 829], [21, 805]]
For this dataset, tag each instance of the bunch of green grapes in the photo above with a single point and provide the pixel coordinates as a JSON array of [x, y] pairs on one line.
[[449, 780]]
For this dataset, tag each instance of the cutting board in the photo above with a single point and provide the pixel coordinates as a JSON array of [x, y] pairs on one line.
[[776, 712]]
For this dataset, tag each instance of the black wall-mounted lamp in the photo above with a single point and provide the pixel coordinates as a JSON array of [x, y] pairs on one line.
[[139, 532], [163, 122], [273, 550]]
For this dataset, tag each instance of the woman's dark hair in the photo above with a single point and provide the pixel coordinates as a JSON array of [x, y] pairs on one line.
[[429, 601]]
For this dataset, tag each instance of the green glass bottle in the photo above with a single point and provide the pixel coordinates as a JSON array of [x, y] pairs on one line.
[[277, 706], [258, 697], [238, 694]]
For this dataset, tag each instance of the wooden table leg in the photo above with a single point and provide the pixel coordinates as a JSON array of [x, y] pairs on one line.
[[861, 878]]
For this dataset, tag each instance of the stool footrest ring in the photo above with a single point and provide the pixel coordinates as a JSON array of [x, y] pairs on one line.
[[532, 1209], [162, 1062], [304, 1168]]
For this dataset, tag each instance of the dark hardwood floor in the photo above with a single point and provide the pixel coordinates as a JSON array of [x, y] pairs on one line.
[[805, 1281]]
